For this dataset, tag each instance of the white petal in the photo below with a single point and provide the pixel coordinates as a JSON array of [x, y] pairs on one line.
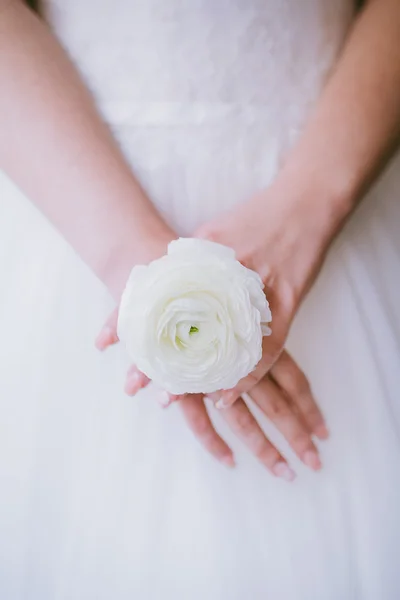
[[200, 248]]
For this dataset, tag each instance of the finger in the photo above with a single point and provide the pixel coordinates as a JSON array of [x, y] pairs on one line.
[[290, 378], [245, 426], [166, 399], [270, 354], [108, 334], [198, 420], [135, 381], [271, 348], [175, 398], [275, 406]]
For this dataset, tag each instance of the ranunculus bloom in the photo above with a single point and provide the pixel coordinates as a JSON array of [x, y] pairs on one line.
[[193, 320]]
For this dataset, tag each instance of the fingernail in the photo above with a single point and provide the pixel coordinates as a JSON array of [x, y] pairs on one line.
[[228, 461], [134, 377], [131, 385], [105, 338], [312, 460], [226, 401], [164, 399], [220, 404], [281, 469], [322, 432], [102, 338]]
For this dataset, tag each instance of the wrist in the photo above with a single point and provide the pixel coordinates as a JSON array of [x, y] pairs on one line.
[[124, 254], [310, 215], [325, 200], [317, 209]]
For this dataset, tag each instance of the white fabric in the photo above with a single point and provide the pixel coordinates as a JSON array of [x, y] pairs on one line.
[[104, 497]]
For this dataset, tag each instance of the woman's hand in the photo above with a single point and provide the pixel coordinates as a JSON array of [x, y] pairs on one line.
[[278, 236], [280, 241], [283, 395]]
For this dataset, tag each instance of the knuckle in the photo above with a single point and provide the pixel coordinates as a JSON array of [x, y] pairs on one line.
[[300, 441], [288, 297], [302, 386], [312, 413], [265, 271], [245, 422], [271, 354], [267, 454], [295, 409], [291, 381], [276, 408], [251, 380], [297, 384]]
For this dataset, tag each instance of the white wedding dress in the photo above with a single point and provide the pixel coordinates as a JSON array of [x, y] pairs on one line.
[[104, 497]]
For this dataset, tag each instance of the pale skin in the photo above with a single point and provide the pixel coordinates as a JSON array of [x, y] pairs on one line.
[[113, 225]]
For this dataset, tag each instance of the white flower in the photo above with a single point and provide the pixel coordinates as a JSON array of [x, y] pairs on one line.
[[193, 320]]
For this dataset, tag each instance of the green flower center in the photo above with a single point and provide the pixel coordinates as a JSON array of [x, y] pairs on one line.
[[193, 329]]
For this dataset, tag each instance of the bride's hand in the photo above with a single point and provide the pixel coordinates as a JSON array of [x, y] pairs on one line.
[[135, 379], [285, 241], [283, 395]]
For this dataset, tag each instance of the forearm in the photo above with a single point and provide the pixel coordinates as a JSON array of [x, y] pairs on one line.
[[355, 124], [58, 151]]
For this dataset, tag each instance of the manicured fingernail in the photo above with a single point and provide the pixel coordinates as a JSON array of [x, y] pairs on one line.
[[322, 432], [228, 461], [220, 404], [226, 401], [164, 399], [312, 460], [134, 378], [131, 385], [103, 338], [283, 470]]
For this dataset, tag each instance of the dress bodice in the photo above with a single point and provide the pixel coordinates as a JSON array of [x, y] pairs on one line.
[[180, 81], [161, 57]]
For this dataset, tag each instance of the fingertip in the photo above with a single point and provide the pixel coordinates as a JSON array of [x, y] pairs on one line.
[[135, 381], [129, 390], [281, 469], [228, 460], [164, 400], [101, 342], [312, 460], [106, 338], [227, 400], [322, 432], [132, 384]]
